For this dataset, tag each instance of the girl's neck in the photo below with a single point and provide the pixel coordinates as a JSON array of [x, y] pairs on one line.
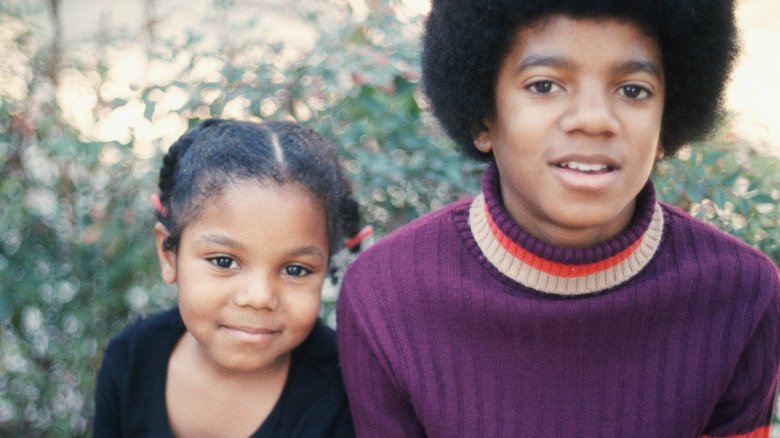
[[202, 360], [204, 398]]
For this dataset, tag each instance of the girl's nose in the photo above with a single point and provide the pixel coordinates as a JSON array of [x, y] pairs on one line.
[[591, 111], [259, 292]]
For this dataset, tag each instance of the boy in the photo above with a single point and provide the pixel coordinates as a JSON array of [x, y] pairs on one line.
[[564, 300]]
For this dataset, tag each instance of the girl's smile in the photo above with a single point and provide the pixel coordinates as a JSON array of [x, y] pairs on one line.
[[250, 334]]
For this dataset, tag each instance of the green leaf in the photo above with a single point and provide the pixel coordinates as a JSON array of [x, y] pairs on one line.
[[719, 198], [149, 109], [763, 198]]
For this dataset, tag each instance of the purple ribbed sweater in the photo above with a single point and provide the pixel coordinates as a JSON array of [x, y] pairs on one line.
[[460, 324]]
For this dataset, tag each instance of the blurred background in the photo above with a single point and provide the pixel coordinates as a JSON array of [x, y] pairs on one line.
[[93, 93]]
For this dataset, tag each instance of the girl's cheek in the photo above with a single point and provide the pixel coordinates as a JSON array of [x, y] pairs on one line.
[[307, 307]]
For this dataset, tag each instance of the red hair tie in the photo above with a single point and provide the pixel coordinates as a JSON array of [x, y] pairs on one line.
[[158, 205], [357, 238]]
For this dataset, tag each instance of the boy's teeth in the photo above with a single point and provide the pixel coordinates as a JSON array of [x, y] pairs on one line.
[[583, 167]]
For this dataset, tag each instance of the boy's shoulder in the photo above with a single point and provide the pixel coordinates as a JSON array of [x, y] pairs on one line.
[[713, 243], [424, 229]]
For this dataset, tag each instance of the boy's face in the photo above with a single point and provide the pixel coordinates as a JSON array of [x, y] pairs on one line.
[[577, 127], [250, 270]]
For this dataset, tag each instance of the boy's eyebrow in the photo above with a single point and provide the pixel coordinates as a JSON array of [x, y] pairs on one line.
[[544, 61], [562, 63], [645, 66]]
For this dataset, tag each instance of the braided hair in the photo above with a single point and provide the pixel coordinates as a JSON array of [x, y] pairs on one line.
[[218, 152]]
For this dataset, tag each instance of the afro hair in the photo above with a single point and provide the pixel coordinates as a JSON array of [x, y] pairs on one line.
[[466, 41]]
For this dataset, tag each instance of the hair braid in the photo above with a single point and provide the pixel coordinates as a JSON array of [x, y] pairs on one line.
[[167, 182], [349, 218]]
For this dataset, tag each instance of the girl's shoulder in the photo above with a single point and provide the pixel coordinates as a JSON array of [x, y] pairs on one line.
[[159, 328], [131, 380], [165, 320], [319, 350]]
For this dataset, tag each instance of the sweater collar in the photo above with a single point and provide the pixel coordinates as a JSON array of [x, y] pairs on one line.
[[566, 271]]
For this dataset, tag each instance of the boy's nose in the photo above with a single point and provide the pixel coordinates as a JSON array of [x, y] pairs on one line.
[[259, 292], [590, 111]]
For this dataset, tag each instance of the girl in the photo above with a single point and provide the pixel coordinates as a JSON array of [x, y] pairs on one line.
[[248, 218]]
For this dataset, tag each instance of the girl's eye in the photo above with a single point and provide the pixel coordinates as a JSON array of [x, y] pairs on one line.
[[543, 87], [296, 271], [634, 92], [223, 262]]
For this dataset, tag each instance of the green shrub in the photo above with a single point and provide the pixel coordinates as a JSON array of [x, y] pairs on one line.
[[77, 260], [730, 185]]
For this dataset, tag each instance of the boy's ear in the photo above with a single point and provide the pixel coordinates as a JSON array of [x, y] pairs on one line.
[[659, 152], [167, 257], [483, 143]]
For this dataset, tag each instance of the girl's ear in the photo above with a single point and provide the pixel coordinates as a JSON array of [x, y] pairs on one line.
[[167, 257]]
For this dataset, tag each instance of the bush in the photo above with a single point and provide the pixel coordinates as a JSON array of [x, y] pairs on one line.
[[727, 183], [77, 259]]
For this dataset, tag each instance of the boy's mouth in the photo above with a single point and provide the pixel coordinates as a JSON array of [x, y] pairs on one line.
[[585, 167]]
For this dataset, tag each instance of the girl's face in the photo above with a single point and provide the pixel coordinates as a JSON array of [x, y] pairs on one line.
[[577, 127], [250, 270]]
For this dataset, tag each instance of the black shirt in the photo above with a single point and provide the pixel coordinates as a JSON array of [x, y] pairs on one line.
[[130, 395]]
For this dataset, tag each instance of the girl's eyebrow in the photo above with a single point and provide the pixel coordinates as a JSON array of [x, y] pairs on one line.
[[565, 64], [309, 250], [222, 240]]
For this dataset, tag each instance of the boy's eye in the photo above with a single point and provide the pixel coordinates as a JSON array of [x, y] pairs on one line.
[[296, 271], [223, 262], [543, 87], [634, 92]]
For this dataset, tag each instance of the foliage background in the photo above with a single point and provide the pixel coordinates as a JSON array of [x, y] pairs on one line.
[[80, 147]]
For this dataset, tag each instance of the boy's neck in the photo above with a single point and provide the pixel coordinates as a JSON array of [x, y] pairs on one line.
[[537, 264], [571, 237]]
